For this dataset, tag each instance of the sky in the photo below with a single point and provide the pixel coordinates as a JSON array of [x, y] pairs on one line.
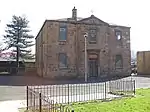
[[132, 13]]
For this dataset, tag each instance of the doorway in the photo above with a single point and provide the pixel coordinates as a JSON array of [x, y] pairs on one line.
[[93, 67]]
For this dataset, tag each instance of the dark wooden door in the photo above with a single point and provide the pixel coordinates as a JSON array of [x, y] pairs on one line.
[[93, 68]]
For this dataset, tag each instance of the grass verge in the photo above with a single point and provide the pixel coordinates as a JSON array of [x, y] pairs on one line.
[[140, 103]]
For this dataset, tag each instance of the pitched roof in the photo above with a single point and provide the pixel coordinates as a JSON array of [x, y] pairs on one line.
[[93, 17], [80, 20], [66, 19], [115, 25]]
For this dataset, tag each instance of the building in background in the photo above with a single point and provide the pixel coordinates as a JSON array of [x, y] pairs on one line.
[[8, 64], [60, 48], [143, 65]]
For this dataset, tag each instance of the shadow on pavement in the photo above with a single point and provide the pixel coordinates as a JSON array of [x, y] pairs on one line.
[[23, 80], [34, 80]]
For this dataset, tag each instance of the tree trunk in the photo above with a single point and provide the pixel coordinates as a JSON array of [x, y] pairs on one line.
[[17, 60]]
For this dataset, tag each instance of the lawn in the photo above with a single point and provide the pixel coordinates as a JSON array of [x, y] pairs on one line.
[[140, 103]]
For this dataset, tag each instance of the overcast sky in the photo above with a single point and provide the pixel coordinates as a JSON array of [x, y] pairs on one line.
[[133, 13]]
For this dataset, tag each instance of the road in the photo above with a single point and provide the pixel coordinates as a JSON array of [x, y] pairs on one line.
[[141, 82], [14, 87]]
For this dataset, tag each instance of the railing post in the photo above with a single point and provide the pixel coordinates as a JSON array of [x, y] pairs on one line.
[[27, 92], [109, 86], [40, 102], [68, 93], [105, 90], [134, 87]]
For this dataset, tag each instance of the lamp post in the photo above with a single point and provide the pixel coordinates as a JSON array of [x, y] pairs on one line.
[[85, 51]]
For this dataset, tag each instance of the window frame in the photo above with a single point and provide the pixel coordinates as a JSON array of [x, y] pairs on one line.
[[65, 27], [91, 41], [66, 60], [121, 66], [118, 31]]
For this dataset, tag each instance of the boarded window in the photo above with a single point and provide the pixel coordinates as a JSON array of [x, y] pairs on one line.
[[63, 33], [119, 61], [92, 35], [62, 60]]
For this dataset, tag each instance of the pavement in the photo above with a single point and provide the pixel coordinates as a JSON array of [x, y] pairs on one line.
[[13, 90], [13, 106], [81, 98]]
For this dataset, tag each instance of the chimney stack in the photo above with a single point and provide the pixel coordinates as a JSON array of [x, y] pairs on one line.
[[74, 13]]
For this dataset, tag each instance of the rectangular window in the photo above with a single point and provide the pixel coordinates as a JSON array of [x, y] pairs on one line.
[[62, 60], [92, 36], [63, 33], [118, 35], [118, 61]]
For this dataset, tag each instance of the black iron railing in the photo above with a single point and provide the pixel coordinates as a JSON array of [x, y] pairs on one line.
[[56, 97], [122, 87]]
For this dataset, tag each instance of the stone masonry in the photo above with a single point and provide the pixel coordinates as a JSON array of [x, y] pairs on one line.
[[105, 49]]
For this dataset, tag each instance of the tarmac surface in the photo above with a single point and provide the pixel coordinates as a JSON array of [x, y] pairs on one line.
[[14, 87]]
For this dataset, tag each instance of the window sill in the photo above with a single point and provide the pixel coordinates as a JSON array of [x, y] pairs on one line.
[[63, 68], [92, 42], [62, 42], [119, 68]]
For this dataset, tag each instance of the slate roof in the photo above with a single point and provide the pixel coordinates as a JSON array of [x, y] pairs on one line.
[[66, 19], [79, 20]]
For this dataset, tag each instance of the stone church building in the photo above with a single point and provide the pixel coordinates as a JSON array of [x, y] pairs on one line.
[[60, 48]]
